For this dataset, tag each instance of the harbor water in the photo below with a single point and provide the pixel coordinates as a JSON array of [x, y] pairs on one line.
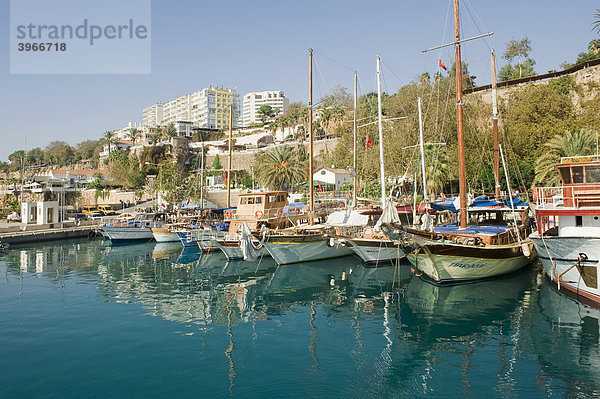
[[80, 318]]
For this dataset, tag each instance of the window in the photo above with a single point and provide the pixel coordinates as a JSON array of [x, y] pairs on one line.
[[272, 198], [243, 201], [565, 174], [250, 200], [577, 172], [592, 174], [259, 200], [578, 221]]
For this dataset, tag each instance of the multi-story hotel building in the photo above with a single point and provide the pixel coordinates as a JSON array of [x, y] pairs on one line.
[[207, 108], [253, 101]]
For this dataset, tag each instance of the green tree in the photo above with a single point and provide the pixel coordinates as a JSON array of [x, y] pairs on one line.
[[436, 169], [109, 138], [125, 171], [16, 160], [217, 163], [35, 156], [169, 131], [596, 23], [567, 144], [518, 49], [279, 169], [133, 135], [58, 153], [87, 149], [265, 113], [509, 72], [592, 54]]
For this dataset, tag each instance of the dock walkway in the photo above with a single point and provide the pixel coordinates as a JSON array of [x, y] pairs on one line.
[[40, 235]]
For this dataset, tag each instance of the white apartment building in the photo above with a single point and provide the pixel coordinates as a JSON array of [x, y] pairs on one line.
[[253, 101], [145, 133], [206, 108]]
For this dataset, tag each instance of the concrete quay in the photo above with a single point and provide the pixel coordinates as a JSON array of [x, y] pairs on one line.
[[17, 233]]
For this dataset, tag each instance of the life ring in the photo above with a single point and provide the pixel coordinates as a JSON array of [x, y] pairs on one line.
[[259, 214], [279, 213], [297, 211], [368, 232], [228, 214]]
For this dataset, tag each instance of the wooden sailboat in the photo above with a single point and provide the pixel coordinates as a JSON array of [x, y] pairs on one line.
[[300, 246], [373, 250], [465, 252]]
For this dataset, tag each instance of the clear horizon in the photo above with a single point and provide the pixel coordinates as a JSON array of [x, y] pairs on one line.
[[263, 45]]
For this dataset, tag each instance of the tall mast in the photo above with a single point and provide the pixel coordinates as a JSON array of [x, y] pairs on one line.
[[422, 147], [355, 128], [202, 177], [380, 132], [310, 138], [462, 178], [229, 160], [495, 129]]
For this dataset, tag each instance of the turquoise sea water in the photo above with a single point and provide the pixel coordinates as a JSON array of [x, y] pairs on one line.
[[82, 319]]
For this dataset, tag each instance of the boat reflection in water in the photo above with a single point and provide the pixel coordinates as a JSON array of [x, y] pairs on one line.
[[315, 328], [566, 337]]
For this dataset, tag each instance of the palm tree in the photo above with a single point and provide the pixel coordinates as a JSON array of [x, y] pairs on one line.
[[133, 135], [331, 117], [110, 139], [569, 144], [169, 131], [280, 168], [436, 169], [596, 23]]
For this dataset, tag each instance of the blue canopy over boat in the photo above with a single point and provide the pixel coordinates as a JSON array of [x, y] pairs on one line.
[[480, 202], [483, 230]]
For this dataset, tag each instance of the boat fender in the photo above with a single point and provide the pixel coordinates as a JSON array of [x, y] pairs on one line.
[[338, 231], [331, 280], [331, 242], [526, 250]]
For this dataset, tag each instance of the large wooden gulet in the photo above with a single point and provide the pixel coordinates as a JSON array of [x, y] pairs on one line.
[[496, 244]]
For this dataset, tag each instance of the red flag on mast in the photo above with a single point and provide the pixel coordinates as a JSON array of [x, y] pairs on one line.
[[442, 65], [369, 142]]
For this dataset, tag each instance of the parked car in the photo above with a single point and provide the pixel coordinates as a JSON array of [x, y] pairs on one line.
[[106, 210], [89, 209]]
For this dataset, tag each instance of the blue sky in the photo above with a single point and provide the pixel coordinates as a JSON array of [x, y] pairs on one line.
[[263, 45]]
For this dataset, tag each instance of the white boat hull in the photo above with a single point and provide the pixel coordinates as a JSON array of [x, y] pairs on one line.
[[373, 251], [164, 235], [560, 255], [286, 253], [234, 252], [124, 234], [453, 263]]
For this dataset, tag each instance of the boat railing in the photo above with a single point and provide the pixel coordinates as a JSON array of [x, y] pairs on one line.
[[569, 196], [547, 197], [267, 213]]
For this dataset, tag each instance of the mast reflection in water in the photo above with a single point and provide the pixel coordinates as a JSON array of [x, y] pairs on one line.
[[82, 319]]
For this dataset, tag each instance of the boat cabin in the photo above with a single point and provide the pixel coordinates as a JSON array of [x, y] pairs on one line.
[[572, 210], [256, 209], [581, 181]]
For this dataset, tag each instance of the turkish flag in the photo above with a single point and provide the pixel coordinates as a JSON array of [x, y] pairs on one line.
[[225, 177], [369, 142], [442, 65]]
